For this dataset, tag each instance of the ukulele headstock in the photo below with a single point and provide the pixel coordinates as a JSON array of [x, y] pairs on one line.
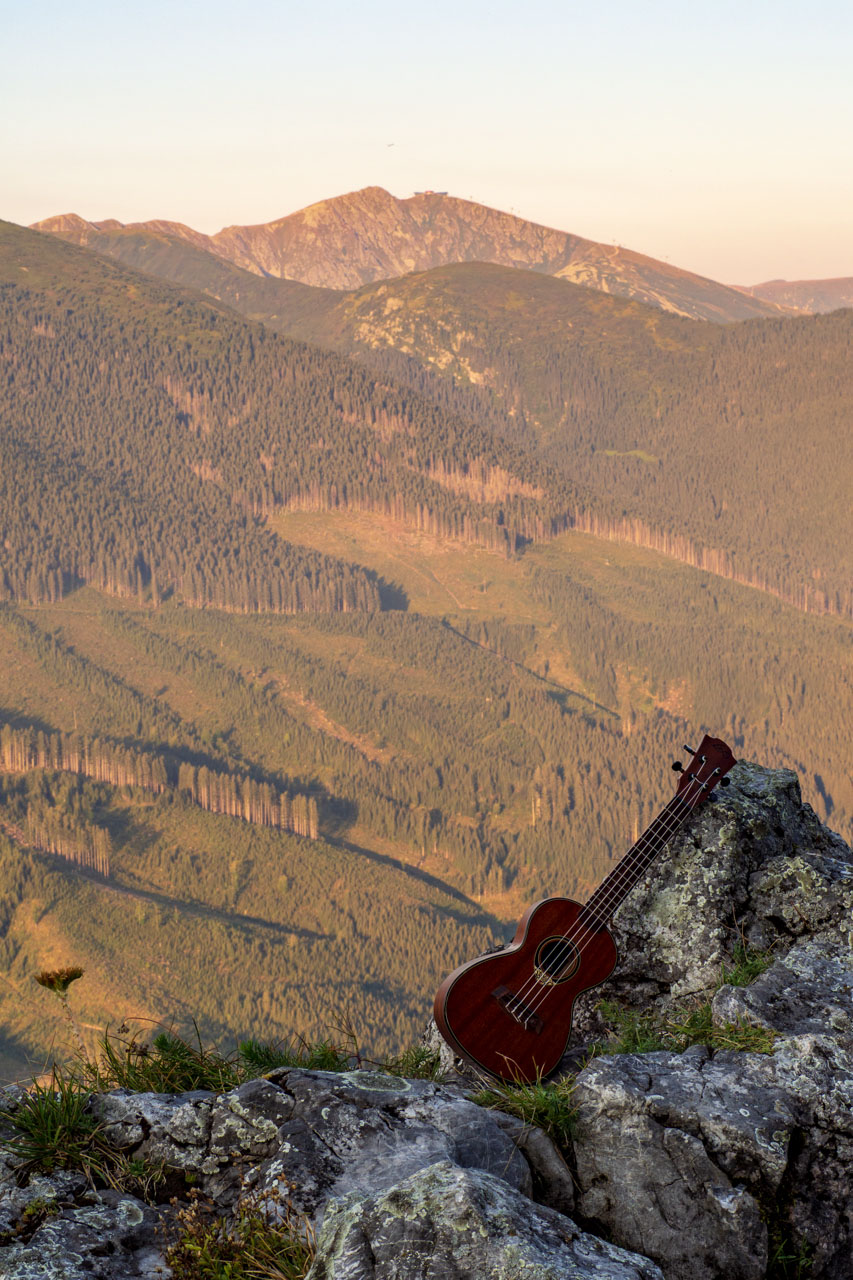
[[710, 763]]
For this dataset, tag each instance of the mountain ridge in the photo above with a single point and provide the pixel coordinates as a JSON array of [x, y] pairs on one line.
[[368, 235], [812, 297]]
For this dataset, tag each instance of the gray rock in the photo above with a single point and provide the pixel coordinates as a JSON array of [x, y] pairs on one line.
[[322, 1132], [660, 1152], [17, 1204], [11, 1096], [553, 1184], [808, 990], [816, 1073], [105, 1235], [166, 1127], [447, 1223], [312, 1134], [756, 865], [365, 1131], [685, 1158]]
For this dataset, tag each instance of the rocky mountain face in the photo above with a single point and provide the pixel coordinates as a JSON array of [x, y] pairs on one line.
[[811, 297], [683, 1166], [370, 235]]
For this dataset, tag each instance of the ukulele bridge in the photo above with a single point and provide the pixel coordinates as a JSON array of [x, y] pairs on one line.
[[519, 1009]]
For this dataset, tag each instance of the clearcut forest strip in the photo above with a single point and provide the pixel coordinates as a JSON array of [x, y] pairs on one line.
[[725, 445], [733, 436]]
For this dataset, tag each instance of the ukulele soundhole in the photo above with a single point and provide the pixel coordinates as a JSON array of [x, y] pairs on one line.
[[556, 961]]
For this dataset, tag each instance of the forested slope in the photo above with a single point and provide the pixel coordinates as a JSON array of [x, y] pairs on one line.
[[725, 445], [300, 683], [735, 436], [145, 432]]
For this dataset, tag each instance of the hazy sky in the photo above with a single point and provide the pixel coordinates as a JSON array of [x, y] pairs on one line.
[[717, 135]]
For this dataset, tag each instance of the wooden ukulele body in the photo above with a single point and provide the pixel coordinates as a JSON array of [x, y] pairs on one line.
[[510, 1012]]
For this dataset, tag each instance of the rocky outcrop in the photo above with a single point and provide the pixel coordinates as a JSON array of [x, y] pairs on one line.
[[393, 1171], [756, 866], [699, 1165], [711, 1165], [714, 1164], [444, 1222]]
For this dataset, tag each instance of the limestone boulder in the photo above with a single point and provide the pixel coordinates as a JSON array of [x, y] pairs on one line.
[[755, 866], [447, 1223]]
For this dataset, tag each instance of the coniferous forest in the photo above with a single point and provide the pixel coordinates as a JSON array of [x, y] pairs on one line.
[[315, 671], [725, 445]]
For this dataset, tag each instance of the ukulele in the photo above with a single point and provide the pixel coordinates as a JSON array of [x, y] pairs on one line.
[[510, 1011]]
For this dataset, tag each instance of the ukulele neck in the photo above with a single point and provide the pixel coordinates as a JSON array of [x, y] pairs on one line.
[[613, 890]]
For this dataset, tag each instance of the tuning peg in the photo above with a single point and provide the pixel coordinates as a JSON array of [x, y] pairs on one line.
[[677, 766], [690, 750], [725, 782]]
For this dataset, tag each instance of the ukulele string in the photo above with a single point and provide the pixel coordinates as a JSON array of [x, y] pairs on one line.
[[673, 817], [677, 809], [581, 934]]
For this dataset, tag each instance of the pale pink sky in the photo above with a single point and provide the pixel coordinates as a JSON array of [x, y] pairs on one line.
[[714, 135]]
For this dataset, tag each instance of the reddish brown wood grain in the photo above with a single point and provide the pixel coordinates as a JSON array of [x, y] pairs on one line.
[[528, 1046]]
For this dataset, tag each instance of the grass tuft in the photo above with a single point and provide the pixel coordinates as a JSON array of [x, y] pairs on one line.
[[547, 1106], [257, 1057], [166, 1064], [789, 1261], [415, 1063], [633, 1032], [747, 964], [52, 1129], [266, 1240]]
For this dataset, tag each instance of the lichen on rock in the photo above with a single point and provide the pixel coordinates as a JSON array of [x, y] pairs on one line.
[[444, 1223]]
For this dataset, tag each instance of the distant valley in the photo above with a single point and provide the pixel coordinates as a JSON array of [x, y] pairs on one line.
[[328, 634]]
